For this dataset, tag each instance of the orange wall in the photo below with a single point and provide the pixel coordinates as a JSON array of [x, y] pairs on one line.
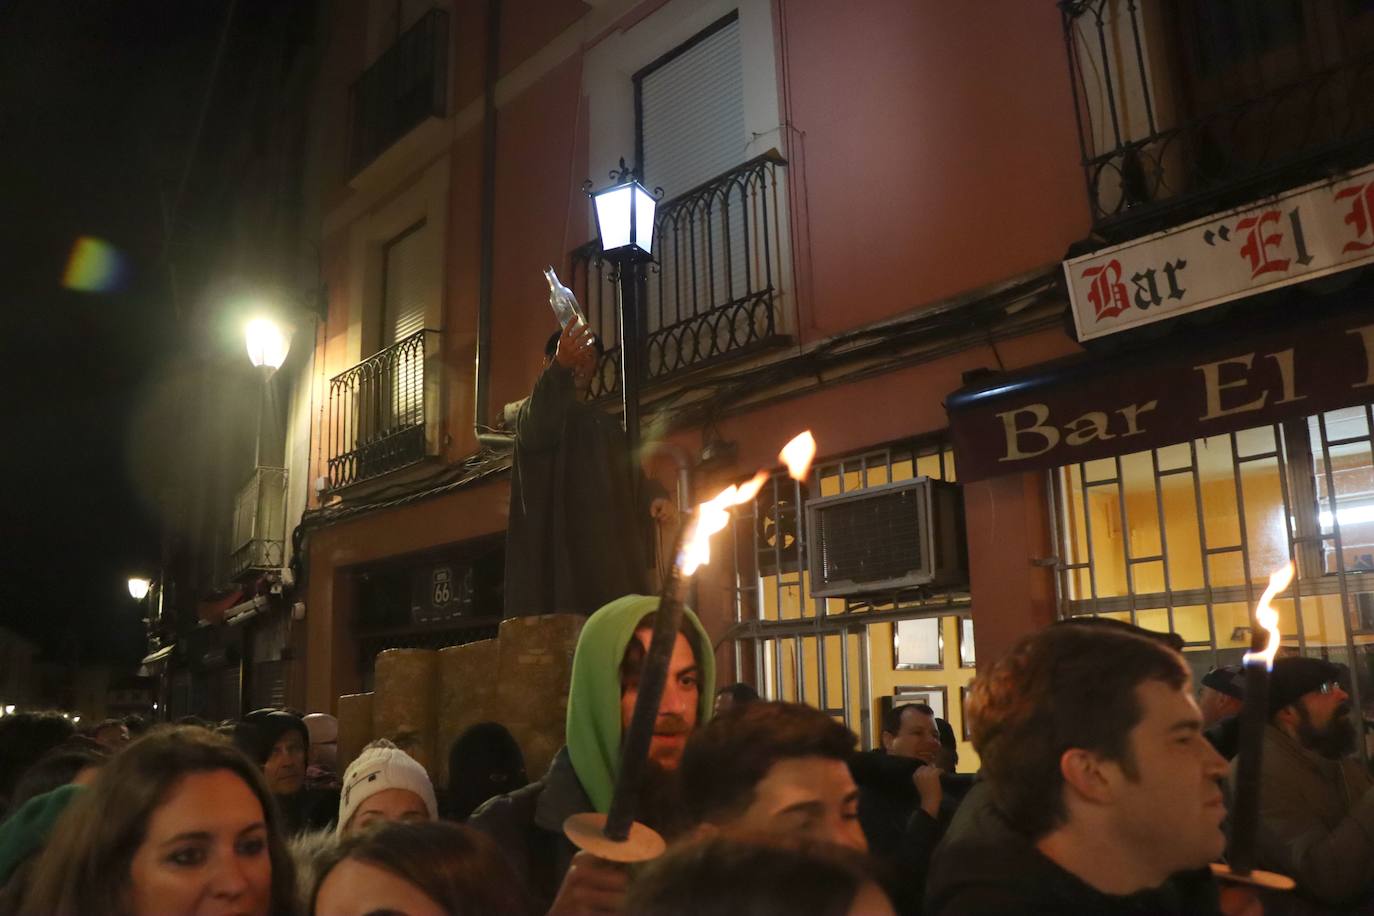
[[938, 147]]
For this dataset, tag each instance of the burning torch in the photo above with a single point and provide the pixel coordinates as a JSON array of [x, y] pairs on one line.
[[617, 836]]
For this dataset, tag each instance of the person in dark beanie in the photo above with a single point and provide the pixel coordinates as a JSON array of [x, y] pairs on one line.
[[279, 743], [485, 761], [1316, 820], [1219, 699]]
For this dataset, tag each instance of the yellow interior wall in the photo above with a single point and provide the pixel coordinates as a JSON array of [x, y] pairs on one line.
[[886, 679]]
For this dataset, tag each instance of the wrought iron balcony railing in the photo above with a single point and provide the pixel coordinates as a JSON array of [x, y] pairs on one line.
[[380, 411], [713, 288], [259, 536], [1187, 108], [407, 84]]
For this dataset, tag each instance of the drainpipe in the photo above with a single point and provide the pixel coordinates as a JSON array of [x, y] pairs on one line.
[[482, 415], [684, 468]]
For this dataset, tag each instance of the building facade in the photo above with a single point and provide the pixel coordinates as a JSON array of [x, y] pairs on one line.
[[864, 229]]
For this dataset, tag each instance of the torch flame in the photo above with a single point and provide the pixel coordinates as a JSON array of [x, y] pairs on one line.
[[1268, 618], [797, 455], [712, 516]]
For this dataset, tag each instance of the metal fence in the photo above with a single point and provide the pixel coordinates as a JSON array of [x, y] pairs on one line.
[[1182, 539], [407, 84], [378, 411], [1183, 103], [714, 286]]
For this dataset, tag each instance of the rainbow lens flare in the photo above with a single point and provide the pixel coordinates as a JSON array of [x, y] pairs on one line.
[[94, 266]]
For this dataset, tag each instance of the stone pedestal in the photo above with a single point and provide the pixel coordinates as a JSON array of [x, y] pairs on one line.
[[355, 727], [467, 693], [405, 710], [534, 671]]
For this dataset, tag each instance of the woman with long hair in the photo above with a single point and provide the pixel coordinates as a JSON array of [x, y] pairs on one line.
[[180, 822], [420, 869]]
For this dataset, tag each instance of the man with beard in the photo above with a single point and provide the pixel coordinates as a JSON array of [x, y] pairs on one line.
[[528, 823], [1316, 803]]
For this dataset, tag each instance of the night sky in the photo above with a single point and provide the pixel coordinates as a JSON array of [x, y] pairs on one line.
[[98, 104]]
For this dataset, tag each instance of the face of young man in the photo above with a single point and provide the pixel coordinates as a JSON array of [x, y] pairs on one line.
[[1170, 807], [916, 738], [677, 711], [813, 797]]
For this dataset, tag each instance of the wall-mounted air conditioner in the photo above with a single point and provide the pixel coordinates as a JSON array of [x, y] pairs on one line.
[[887, 538]]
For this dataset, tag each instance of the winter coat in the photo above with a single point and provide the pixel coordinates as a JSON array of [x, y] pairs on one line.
[[578, 531], [983, 867], [528, 823], [1316, 823]]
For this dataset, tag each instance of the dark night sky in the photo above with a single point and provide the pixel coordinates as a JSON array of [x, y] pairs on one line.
[[98, 102]]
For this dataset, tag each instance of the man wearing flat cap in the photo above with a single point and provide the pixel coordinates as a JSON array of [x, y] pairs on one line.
[[1219, 699], [1317, 800]]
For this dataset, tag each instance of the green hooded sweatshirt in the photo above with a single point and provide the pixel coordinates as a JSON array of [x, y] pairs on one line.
[[594, 696]]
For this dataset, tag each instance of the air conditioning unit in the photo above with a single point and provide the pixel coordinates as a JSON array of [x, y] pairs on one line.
[[887, 538]]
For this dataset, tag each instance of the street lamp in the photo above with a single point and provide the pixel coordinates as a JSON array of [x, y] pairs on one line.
[[267, 344], [625, 225], [138, 588]]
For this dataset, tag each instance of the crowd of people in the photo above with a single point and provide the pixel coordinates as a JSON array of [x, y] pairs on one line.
[[1102, 790]]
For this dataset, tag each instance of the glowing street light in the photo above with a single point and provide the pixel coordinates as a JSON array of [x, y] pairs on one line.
[[138, 588], [267, 344]]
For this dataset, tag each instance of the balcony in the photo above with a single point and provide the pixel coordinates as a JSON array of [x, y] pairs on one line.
[[714, 288], [383, 411], [1187, 108], [405, 86], [259, 536]]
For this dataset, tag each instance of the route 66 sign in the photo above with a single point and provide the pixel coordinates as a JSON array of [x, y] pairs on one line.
[[441, 586]]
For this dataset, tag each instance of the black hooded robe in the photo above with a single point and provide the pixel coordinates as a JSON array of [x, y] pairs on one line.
[[578, 532]]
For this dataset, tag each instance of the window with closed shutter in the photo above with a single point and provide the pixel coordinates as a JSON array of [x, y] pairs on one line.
[[405, 272], [691, 130]]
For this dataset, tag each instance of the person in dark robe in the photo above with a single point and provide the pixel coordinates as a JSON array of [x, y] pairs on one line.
[[580, 504]]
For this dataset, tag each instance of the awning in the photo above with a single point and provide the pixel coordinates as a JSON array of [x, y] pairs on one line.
[[160, 655], [1094, 406], [156, 658]]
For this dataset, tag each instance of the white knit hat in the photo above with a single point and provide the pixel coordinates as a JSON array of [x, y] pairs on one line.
[[380, 766]]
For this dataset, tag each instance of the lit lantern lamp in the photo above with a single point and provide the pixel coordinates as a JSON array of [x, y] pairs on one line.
[[625, 218], [267, 344], [138, 588]]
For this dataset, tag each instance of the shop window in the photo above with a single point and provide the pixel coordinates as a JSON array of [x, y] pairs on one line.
[[1182, 539]]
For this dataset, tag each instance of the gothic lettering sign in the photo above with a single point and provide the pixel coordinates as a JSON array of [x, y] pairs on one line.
[[1303, 234], [1086, 408]]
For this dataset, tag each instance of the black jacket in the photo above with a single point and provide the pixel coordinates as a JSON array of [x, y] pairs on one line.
[[1225, 737], [578, 530], [528, 826], [901, 836], [985, 868]]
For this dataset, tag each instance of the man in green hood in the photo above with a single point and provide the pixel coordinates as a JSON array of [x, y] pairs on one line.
[[528, 823]]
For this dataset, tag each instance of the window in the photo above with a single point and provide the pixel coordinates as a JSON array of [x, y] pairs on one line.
[[1182, 539], [846, 656]]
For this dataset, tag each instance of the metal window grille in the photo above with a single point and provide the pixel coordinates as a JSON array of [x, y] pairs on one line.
[[1182, 539], [817, 650]]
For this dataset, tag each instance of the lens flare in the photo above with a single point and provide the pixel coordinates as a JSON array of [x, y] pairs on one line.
[[1268, 617], [94, 266]]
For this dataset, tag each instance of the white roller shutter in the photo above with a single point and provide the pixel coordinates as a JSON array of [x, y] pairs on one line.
[[406, 272], [692, 114], [691, 131]]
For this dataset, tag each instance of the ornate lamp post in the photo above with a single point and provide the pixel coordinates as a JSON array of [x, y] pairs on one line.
[[625, 224]]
